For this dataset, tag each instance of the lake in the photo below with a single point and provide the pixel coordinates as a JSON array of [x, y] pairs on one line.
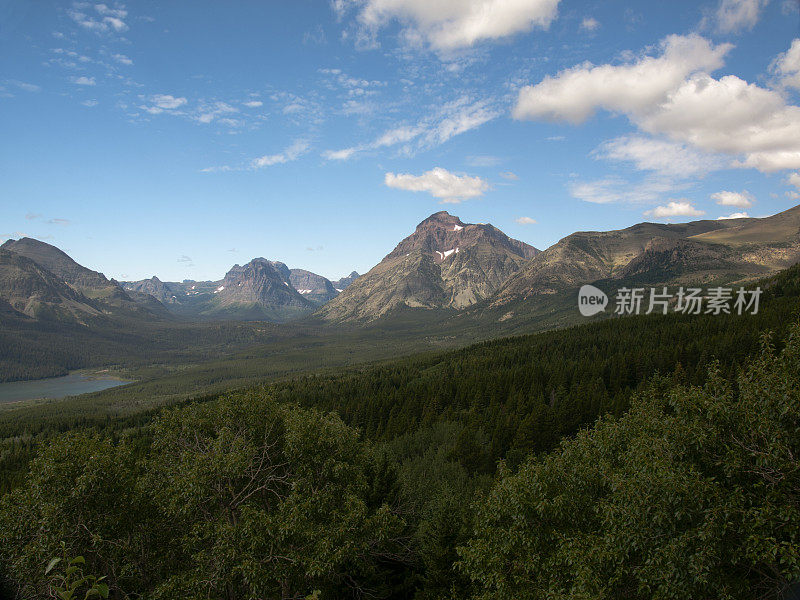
[[56, 387]]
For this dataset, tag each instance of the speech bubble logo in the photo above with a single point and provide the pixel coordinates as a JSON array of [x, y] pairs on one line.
[[591, 300]]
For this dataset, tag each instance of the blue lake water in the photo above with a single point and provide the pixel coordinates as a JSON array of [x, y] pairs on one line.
[[56, 387]]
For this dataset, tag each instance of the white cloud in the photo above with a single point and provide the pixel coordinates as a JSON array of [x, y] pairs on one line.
[[122, 59], [293, 152], [525, 221], [343, 154], [614, 189], [674, 209], [743, 199], [253, 104], [673, 96], [107, 19], [90, 103], [83, 80], [590, 24], [452, 119], [452, 24], [27, 87], [439, 183], [212, 110], [738, 15], [736, 215], [668, 158], [574, 94], [786, 66], [510, 175], [167, 101], [794, 179]]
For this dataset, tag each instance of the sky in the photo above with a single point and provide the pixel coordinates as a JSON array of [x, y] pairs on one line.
[[178, 138]]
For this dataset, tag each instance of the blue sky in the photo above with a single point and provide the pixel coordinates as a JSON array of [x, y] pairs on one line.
[[178, 138]]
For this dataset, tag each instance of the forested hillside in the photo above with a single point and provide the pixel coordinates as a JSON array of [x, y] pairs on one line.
[[692, 493]]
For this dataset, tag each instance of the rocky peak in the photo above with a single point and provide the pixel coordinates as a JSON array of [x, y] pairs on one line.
[[441, 235]]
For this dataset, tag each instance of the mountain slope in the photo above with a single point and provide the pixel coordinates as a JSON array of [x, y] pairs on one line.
[[445, 263], [651, 252], [108, 295], [29, 289]]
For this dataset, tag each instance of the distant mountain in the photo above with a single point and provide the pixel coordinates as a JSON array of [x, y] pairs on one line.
[[165, 293], [729, 250], [314, 288], [445, 263], [93, 288], [341, 284], [259, 289]]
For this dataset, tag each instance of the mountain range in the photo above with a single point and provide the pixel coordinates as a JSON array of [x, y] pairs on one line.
[[444, 265]]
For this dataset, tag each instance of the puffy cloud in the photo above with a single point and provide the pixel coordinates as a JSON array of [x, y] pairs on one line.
[[743, 199], [439, 183], [674, 209], [83, 80], [672, 95], [525, 221], [451, 24], [661, 156], [253, 104], [738, 15], [122, 59], [293, 152], [794, 179], [787, 66], [736, 215], [574, 94]]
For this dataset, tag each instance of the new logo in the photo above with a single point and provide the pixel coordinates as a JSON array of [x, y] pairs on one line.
[[591, 300]]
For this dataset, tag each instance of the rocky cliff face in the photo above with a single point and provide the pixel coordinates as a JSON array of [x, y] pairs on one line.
[[314, 288], [341, 284], [259, 282], [445, 263], [163, 292]]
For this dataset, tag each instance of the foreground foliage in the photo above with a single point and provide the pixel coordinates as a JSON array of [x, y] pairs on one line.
[[695, 493], [239, 498]]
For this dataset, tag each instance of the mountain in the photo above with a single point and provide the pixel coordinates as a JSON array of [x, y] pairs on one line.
[[341, 284], [725, 251], [445, 263], [258, 290], [165, 293], [104, 295], [29, 289], [314, 288]]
